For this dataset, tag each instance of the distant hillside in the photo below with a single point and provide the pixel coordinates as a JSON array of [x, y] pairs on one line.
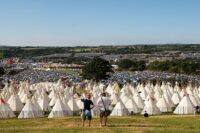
[[6, 51]]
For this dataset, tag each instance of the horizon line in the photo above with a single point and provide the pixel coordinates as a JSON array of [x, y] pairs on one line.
[[1, 45]]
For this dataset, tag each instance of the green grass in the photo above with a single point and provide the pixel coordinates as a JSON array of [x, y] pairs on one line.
[[136, 124]]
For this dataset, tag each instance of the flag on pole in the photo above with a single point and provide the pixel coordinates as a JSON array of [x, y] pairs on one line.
[[117, 88]]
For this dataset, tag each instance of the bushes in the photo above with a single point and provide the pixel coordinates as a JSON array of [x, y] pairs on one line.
[[186, 66], [182, 66], [138, 66], [127, 64]]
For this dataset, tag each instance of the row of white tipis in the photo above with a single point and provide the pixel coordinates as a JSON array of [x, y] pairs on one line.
[[32, 101]]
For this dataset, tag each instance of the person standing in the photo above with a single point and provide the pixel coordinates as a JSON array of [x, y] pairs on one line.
[[103, 103], [87, 106]]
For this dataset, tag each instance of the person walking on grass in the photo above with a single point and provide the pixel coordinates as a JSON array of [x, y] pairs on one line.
[[103, 103], [87, 106]]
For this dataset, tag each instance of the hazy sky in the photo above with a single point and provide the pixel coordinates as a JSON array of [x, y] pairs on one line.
[[98, 22]]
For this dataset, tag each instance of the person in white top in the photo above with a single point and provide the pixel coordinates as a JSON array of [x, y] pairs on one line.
[[103, 103]]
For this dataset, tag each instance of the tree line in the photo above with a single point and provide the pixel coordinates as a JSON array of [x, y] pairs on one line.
[[179, 66]]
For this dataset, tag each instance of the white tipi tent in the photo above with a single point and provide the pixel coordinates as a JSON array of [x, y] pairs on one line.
[[15, 103], [138, 100], [132, 106], [30, 111], [119, 109], [176, 98], [73, 106], [59, 110], [79, 103], [43, 101], [151, 107], [114, 98], [185, 106], [163, 105], [5, 110], [168, 99]]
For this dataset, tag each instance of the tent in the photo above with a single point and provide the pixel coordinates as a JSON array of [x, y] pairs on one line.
[[59, 110], [138, 100], [163, 105], [151, 107], [132, 106], [73, 106], [5, 110], [30, 111], [176, 98], [185, 106], [15, 103], [119, 109]]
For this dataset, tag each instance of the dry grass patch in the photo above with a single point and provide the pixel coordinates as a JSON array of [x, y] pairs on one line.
[[136, 124]]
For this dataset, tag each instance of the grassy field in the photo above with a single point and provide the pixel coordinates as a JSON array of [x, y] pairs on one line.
[[136, 124]]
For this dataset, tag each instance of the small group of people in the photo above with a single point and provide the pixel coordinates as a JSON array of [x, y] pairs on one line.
[[103, 104]]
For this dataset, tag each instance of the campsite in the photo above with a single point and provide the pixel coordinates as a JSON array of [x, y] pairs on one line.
[[49, 100], [99, 66], [54, 107]]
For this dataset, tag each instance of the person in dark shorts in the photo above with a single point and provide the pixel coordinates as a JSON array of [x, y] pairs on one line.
[[88, 105], [103, 103]]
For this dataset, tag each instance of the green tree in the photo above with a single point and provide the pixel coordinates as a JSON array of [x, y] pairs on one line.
[[125, 63], [97, 69], [138, 65]]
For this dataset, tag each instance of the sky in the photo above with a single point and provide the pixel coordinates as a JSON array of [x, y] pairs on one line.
[[98, 22]]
